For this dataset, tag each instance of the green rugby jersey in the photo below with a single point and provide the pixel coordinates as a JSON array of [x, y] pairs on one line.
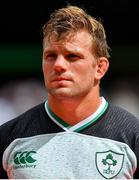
[[38, 144]]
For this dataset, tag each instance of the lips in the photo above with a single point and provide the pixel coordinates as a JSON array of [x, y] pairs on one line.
[[61, 79]]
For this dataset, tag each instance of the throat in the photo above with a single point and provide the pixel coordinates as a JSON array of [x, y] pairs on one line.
[[77, 123], [73, 114]]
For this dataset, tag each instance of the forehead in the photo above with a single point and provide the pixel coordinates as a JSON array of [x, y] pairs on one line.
[[78, 40]]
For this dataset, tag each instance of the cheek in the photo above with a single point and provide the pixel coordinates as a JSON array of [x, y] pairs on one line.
[[46, 72], [89, 75], [86, 71], [46, 67]]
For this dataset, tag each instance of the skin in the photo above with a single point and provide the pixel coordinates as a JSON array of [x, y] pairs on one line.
[[72, 76]]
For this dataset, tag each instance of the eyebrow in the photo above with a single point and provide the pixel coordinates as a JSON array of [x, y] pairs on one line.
[[47, 51], [68, 50]]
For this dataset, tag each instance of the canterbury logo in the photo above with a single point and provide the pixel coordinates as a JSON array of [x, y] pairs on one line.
[[24, 157]]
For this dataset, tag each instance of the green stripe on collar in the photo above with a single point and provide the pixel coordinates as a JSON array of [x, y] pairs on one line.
[[63, 123], [93, 120], [81, 125]]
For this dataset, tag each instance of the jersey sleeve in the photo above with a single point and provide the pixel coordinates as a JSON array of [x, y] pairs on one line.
[[136, 175], [3, 173]]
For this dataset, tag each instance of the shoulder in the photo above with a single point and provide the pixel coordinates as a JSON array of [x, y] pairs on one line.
[[122, 125], [122, 115], [26, 116], [19, 126], [126, 125]]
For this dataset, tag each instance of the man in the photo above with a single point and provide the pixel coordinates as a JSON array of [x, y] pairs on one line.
[[76, 133]]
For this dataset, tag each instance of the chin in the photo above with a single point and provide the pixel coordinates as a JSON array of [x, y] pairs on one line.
[[61, 93]]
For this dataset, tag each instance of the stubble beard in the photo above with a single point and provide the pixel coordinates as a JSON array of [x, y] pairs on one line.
[[67, 93]]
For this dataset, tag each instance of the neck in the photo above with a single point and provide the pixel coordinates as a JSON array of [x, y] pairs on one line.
[[73, 110]]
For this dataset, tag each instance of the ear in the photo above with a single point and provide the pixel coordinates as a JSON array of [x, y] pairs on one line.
[[101, 67]]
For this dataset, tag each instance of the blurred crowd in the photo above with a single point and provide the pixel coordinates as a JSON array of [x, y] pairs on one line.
[[125, 93], [18, 96]]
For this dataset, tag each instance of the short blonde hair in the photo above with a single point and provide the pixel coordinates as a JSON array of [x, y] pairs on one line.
[[72, 19]]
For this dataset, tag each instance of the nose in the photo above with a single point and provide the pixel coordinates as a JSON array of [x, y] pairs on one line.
[[60, 64]]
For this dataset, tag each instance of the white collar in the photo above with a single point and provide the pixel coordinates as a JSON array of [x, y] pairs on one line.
[[81, 125]]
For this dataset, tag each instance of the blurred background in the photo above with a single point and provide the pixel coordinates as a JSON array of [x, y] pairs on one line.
[[21, 78]]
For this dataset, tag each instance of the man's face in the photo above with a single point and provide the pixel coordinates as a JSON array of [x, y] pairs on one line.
[[68, 66]]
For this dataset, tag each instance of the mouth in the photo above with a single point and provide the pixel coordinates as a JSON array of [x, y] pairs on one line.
[[61, 79]]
